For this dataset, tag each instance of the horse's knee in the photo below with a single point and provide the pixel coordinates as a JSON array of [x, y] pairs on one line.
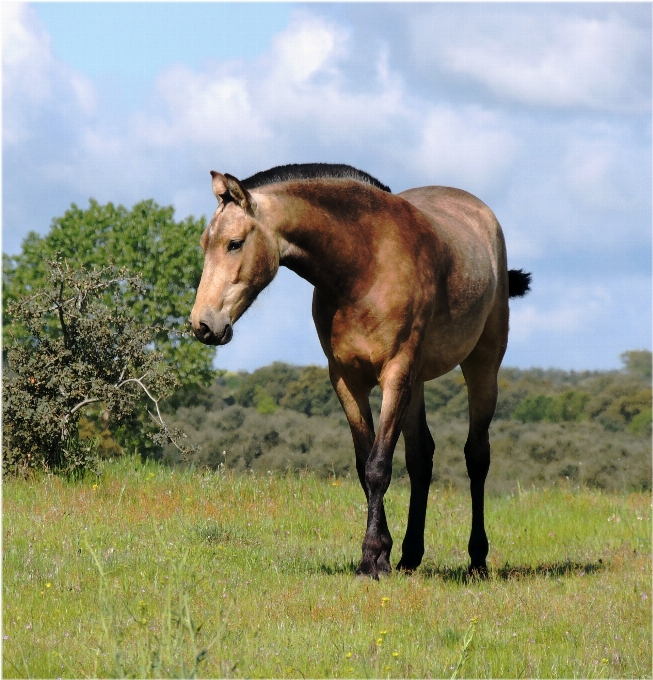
[[377, 474]]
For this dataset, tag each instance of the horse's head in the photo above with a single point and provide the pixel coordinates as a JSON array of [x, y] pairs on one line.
[[240, 259]]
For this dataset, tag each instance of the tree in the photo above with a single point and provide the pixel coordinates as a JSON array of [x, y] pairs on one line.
[[145, 239], [77, 352], [638, 363], [311, 393], [533, 409]]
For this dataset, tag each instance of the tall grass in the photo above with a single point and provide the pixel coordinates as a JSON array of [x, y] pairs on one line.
[[152, 572]]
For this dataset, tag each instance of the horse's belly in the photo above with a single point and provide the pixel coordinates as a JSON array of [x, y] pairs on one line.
[[452, 334], [444, 349]]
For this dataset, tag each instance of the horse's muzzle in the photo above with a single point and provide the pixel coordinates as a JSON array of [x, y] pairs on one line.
[[213, 329]]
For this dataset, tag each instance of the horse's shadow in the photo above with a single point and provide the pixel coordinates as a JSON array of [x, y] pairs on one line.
[[509, 572], [459, 574]]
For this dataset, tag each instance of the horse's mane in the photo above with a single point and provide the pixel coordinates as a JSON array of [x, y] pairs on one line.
[[294, 171]]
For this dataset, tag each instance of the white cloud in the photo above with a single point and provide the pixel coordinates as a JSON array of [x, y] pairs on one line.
[[554, 59], [601, 173], [198, 108], [560, 307], [567, 323], [308, 47], [26, 53], [468, 146], [297, 103], [32, 78]]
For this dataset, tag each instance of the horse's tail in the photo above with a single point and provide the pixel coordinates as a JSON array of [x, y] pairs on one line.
[[519, 282]]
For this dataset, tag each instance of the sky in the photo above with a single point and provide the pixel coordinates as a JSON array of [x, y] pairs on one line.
[[542, 110]]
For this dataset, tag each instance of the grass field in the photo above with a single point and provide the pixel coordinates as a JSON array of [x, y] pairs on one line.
[[149, 572]]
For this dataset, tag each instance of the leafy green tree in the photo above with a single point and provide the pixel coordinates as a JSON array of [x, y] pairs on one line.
[[263, 401], [533, 409], [273, 379], [638, 363], [568, 407], [312, 393], [145, 239], [438, 393], [75, 353]]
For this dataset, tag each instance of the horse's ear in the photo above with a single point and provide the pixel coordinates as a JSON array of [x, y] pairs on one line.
[[239, 193], [219, 185], [226, 187]]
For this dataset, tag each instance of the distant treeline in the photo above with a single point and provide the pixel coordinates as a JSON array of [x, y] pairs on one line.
[[551, 426], [617, 400]]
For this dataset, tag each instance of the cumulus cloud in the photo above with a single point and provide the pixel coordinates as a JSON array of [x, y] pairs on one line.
[[470, 145], [578, 308], [601, 173], [557, 58], [310, 46], [198, 108], [297, 103], [34, 79]]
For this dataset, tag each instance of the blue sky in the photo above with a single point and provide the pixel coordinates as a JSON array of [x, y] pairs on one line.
[[542, 110]]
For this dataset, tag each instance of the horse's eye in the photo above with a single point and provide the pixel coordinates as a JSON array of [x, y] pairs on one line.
[[235, 244]]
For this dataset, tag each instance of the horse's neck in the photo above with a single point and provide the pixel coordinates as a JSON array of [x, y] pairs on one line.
[[328, 251]]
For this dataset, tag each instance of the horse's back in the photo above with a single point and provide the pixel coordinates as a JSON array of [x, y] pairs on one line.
[[456, 214]]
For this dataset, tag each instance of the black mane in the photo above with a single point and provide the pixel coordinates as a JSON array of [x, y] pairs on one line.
[[285, 173]]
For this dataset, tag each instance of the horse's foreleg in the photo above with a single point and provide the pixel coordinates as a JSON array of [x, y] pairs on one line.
[[356, 405], [419, 463], [377, 543], [481, 377]]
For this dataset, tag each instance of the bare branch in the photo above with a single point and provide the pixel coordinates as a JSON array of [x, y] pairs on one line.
[[83, 403], [158, 419], [122, 373]]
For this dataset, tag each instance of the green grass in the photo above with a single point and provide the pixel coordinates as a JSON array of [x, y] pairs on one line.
[[152, 572]]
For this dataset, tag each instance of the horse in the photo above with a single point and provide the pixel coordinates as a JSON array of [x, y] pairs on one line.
[[406, 287]]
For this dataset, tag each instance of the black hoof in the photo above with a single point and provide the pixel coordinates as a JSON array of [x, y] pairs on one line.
[[477, 572], [383, 566], [365, 568], [408, 566]]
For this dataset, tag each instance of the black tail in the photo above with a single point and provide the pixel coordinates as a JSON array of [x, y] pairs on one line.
[[519, 282]]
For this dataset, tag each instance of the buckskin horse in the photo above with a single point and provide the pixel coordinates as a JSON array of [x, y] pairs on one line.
[[407, 287]]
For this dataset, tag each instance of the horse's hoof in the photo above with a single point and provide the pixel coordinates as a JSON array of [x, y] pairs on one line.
[[367, 569], [477, 573], [383, 567], [408, 566]]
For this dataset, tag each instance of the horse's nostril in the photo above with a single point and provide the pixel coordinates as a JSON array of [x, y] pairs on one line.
[[205, 331]]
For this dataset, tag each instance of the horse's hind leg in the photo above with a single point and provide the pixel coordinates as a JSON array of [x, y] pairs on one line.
[[419, 463], [480, 370]]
